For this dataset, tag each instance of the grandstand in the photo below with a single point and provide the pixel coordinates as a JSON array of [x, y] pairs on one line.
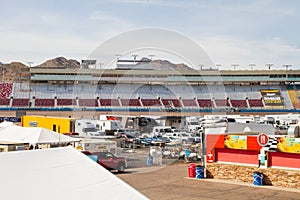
[[146, 90]]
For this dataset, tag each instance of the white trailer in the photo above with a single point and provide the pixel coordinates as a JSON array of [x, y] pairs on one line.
[[97, 145], [86, 128], [109, 127]]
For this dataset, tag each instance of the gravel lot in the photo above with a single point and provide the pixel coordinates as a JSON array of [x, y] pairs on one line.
[[171, 183]]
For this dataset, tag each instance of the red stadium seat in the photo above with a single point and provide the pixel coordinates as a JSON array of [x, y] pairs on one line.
[[171, 103], [222, 103], [205, 103], [131, 102], [238, 103], [5, 90], [66, 102], [189, 102], [20, 103], [109, 102], [88, 102], [151, 103], [4, 102], [44, 102], [255, 103]]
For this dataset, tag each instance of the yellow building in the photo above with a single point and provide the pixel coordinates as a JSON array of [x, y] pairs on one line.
[[57, 124]]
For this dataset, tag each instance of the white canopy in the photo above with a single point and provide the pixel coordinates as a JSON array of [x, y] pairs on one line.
[[59, 173], [32, 135]]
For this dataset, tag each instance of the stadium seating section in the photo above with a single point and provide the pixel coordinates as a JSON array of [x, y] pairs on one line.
[[42, 95], [20, 103], [66, 102], [88, 102], [109, 102], [131, 102], [238, 103], [44, 103], [151, 103], [189, 103]]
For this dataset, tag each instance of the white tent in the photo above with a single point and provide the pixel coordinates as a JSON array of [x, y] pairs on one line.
[[32, 135], [59, 173]]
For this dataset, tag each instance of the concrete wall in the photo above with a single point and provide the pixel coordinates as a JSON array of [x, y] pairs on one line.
[[276, 177]]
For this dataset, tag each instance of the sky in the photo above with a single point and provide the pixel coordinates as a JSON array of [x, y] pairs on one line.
[[231, 32]]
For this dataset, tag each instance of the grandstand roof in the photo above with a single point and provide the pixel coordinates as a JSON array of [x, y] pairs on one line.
[[168, 75]]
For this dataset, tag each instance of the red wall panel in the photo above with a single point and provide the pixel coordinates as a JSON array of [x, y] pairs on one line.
[[236, 156], [252, 143], [214, 141], [280, 159]]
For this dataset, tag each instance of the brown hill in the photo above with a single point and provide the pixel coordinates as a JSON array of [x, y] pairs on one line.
[[163, 64], [12, 71], [60, 62]]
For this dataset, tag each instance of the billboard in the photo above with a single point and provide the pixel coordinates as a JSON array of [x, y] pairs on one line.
[[272, 98], [235, 141], [288, 145]]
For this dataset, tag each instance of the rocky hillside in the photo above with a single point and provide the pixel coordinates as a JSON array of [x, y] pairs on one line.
[[164, 64], [60, 62], [12, 71]]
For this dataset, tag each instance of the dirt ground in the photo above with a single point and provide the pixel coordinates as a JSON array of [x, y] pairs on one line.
[[171, 183]]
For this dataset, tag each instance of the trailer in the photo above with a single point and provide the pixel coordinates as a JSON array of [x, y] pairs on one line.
[[57, 124]]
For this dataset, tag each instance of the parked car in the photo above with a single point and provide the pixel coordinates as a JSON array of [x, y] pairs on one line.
[[155, 139], [129, 141], [183, 136], [108, 160]]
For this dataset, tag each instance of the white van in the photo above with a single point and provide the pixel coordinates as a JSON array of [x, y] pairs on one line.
[[161, 130]]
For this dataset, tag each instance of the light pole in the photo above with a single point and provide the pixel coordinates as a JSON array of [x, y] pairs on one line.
[[151, 56], [134, 58], [234, 66], [218, 66], [100, 65], [269, 66], [118, 56], [251, 66], [286, 70]]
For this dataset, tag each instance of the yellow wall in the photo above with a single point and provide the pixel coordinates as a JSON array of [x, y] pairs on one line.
[[293, 97], [57, 124]]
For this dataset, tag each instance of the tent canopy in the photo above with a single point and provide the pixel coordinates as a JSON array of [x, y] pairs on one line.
[[33, 135], [59, 173]]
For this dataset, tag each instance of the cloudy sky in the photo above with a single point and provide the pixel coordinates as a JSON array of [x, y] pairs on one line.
[[230, 31]]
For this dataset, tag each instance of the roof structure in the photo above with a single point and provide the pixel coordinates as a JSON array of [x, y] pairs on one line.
[[33, 135], [59, 173]]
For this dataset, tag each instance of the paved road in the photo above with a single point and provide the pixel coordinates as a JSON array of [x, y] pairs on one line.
[[170, 183]]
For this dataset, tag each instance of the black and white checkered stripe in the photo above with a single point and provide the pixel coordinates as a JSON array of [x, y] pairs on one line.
[[271, 145]]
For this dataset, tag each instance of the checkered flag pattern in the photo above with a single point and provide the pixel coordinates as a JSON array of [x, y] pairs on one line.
[[271, 145]]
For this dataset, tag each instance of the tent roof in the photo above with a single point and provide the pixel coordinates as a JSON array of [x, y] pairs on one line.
[[59, 173], [32, 135]]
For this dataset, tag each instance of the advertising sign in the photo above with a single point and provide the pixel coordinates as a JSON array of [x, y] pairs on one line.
[[272, 97], [235, 141], [288, 145]]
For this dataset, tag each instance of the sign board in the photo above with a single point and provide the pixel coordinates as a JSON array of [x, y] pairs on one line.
[[235, 141], [210, 157], [288, 145], [272, 98], [262, 139]]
